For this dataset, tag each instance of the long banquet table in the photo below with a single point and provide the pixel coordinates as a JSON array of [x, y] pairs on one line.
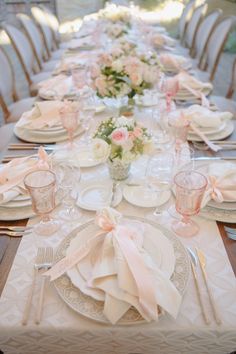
[[64, 331]]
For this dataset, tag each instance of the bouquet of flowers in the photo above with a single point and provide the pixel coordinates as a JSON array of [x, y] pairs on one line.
[[123, 138], [125, 75]]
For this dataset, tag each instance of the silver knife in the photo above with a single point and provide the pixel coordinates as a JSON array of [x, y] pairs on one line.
[[214, 158], [24, 147]]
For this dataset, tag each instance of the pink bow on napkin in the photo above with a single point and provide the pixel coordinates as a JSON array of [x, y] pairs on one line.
[[129, 241], [221, 183], [13, 173]]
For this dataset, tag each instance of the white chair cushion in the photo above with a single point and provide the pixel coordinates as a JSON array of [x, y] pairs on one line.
[[6, 132], [57, 54], [50, 66], [18, 108], [224, 104]]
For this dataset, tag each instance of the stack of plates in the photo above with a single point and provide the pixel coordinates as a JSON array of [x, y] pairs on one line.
[[165, 249], [17, 208], [213, 133], [52, 134], [226, 211]]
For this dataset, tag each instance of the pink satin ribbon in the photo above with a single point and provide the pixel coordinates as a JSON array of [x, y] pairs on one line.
[[125, 237]]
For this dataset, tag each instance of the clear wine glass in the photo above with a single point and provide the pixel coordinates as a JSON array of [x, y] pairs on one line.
[[79, 77], [69, 115], [159, 177], [190, 187], [67, 170], [41, 185]]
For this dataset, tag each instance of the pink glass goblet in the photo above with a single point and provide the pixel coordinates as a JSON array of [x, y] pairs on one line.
[[41, 185], [169, 86], [190, 187], [79, 77], [179, 126], [69, 115]]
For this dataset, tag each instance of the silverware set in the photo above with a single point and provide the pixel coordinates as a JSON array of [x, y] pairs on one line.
[[231, 232], [224, 145], [200, 258], [15, 231], [43, 262], [26, 147]]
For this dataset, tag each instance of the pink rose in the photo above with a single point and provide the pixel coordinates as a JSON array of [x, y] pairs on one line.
[[95, 71], [120, 136], [101, 85], [138, 132]]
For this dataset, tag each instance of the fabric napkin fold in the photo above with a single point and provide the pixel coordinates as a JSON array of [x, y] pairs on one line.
[[161, 40], [221, 182], [172, 62], [13, 173], [44, 114], [123, 270], [56, 86], [203, 117]]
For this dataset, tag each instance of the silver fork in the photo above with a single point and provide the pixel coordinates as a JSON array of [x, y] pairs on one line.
[[37, 265], [46, 264]]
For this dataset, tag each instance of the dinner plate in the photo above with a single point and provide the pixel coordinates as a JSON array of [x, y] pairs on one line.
[[209, 130], [93, 309], [41, 137], [155, 243], [86, 157], [142, 197], [227, 131], [17, 203], [97, 195], [11, 214]]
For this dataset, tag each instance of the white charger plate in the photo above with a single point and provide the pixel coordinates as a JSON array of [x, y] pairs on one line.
[[41, 137], [86, 157], [90, 308], [227, 131], [11, 214], [209, 130], [97, 195], [140, 196]]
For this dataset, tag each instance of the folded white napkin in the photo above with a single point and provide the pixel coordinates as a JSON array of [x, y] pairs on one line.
[[205, 118], [13, 173], [173, 63], [117, 264], [190, 86], [80, 42], [56, 86], [44, 114], [161, 40], [221, 182]]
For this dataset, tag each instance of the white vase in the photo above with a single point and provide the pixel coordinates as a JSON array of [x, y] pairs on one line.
[[118, 169]]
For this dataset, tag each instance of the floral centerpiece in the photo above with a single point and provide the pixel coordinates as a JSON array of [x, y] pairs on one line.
[[125, 75], [123, 140]]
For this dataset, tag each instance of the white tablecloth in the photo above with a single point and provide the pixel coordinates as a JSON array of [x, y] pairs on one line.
[[62, 331]]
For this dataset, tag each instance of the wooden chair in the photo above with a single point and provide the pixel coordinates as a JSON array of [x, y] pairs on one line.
[[13, 111], [49, 43], [227, 103], [203, 34], [185, 17], [35, 38], [26, 57], [193, 25], [215, 46]]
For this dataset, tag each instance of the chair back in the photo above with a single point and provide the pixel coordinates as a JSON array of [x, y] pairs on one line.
[[22, 48], [193, 25], [7, 87], [40, 19], [185, 17], [216, 44], [52, 22], [232, 87], [34, 36], [203, 33]]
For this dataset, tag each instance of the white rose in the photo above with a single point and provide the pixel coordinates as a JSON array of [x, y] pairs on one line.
[[101, 149], [117, 65]]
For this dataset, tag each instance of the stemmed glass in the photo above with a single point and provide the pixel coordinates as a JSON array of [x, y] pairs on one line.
[[159, 177], [79, 77], [179, 126], [190, 187], [41, 185], [67, 170], [69, 115], [170, 87]]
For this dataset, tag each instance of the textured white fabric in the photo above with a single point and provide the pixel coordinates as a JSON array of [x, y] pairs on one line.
[[62, 331]]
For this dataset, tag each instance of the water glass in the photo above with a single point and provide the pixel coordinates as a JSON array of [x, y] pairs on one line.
[[190, 188], [41, 185], [69, 115]]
